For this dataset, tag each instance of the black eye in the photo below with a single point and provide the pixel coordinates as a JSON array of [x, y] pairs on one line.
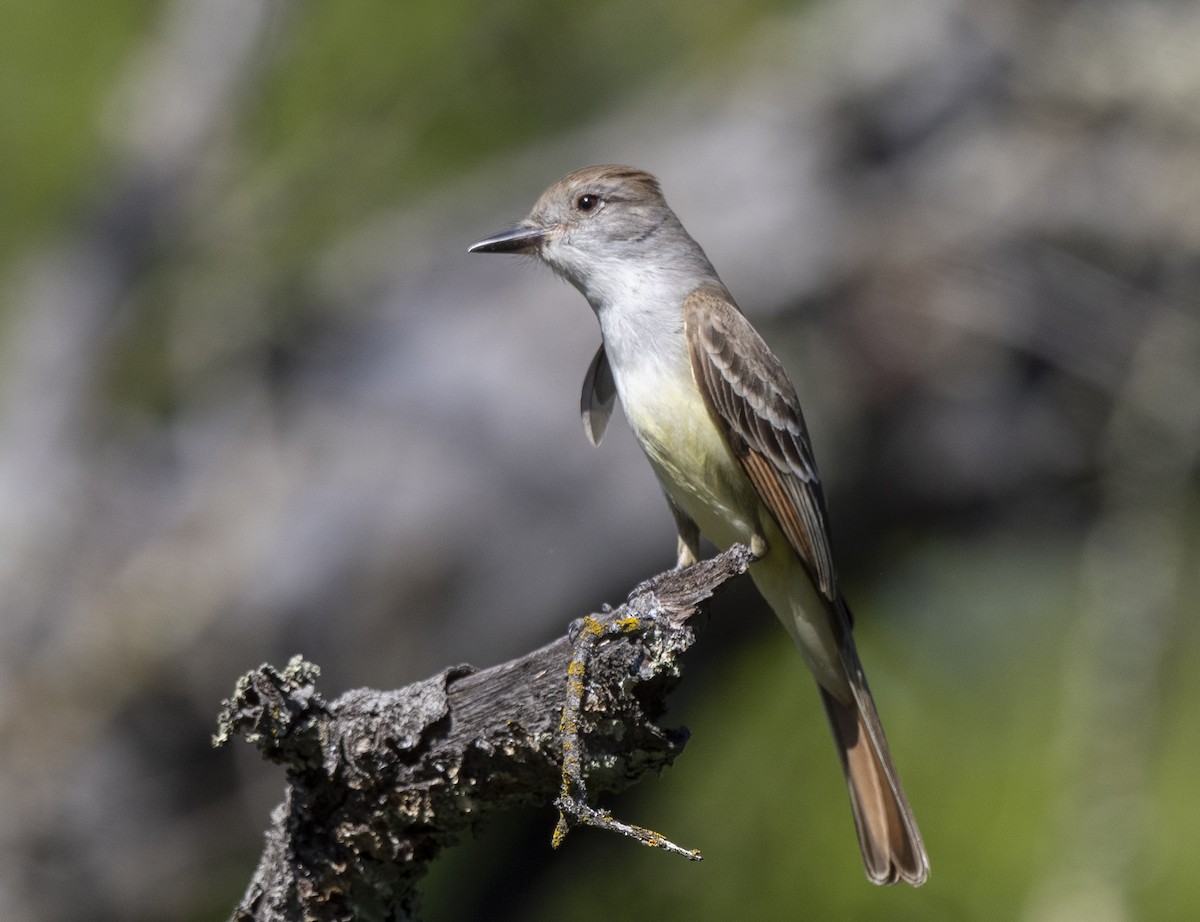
[[587, 202]]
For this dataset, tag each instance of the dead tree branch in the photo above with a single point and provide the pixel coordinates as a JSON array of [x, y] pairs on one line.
[[380, 782]]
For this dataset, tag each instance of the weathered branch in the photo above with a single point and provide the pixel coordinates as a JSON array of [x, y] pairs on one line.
[[380, 782]]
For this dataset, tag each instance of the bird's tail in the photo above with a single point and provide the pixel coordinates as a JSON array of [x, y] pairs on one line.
[[891, 844]]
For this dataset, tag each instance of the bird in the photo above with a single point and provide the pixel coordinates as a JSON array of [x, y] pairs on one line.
[[718, 419]]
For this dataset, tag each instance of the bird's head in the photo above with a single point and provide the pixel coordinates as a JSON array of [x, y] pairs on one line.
[[599, 221]]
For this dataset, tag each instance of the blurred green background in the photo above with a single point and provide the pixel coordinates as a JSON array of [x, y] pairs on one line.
[[255, 400]]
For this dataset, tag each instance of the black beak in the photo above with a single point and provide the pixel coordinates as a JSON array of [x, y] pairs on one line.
[[517, 240]]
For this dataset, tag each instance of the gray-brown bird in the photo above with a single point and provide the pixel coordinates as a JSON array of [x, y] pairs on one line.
[[719, 421]]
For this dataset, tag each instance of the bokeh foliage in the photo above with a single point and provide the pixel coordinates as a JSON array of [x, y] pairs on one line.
[[1028, 620]]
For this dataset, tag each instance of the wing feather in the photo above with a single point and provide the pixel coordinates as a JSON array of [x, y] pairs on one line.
[[597, 397], [755, 406]]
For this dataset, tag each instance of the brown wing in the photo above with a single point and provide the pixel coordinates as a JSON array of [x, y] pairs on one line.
[[755, 406]]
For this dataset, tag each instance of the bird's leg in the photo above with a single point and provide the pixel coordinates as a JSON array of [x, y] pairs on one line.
[[573, 809], [688, 546], [686, 554]]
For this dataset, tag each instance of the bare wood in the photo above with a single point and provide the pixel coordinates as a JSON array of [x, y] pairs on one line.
[[380, 782]]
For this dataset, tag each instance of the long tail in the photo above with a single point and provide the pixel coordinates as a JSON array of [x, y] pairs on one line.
[[891, 844]]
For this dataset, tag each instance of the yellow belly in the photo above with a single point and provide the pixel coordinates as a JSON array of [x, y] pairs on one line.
[[699, 472], [694, 464]]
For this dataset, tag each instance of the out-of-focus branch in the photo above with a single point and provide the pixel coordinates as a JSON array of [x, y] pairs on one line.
[[380, 782]]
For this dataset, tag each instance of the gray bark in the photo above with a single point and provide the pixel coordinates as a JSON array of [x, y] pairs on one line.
[[379, 782]]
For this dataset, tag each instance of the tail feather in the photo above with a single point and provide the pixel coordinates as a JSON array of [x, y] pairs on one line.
[[891, 844], [887, 832]]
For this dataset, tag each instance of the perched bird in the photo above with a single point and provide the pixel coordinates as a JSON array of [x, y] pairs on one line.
[[719, 421]]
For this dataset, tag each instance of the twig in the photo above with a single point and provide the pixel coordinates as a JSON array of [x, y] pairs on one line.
[[572, 802]]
